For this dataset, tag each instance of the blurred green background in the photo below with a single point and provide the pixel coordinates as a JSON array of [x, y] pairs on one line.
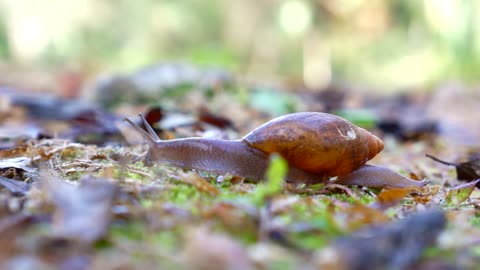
[[385, 44]]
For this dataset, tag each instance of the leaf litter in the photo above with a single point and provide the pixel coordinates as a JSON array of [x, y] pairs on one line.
[[71, 205]]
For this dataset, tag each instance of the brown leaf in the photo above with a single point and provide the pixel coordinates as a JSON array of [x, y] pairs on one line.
[[199, 182], [390, 197], [428, 193], [17, 151], [154, 115], [204, 115], [358, 215]]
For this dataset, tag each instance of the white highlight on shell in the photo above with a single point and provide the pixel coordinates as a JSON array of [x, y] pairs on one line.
[[351, 134]]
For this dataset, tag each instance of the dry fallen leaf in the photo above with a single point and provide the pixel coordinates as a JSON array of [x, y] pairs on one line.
[[199, 182], [20, 150], [396, 245], [83, 212], [22, 163], [356, 216], [390, 197]]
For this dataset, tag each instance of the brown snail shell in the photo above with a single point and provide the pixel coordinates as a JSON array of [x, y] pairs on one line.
[[318, 143]]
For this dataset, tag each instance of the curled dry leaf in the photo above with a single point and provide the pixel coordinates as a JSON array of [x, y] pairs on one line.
[[430, 194], [22, 163]]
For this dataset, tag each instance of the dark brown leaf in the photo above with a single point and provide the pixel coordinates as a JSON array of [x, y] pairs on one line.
[[204, 115], [409, 131], [154, 115]]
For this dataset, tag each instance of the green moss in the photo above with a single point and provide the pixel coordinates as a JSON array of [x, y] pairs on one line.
[[309, 240], [158, 248], [281, 265], [475, 220], [71, 153], [182, 194], [103, 244], [167, 240], [131, 231], [438, 253]]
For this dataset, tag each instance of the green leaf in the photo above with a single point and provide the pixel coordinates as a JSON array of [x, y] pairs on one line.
[[460, 193], [275, 175], [273, 101], [361, 118]]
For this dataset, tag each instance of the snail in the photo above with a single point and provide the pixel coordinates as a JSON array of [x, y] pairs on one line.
[[317, 146]]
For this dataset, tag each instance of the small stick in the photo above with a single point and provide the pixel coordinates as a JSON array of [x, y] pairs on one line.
[[441, 161]]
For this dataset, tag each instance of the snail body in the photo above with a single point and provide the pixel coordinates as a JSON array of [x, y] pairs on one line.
[[317, 146], [378, 176]]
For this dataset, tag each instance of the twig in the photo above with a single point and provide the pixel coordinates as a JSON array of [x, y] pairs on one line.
[[441, 161]]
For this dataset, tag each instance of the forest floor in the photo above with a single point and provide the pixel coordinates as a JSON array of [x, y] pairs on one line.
[[77, 194]]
